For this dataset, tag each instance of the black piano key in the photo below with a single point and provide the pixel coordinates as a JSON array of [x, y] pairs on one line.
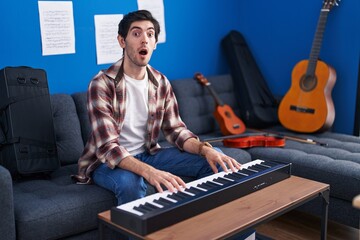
[[261, 167], [253, 168], [194, 190], [142, 209], [163, 201], [239, 174], [264, 166], [208, 185], [234, 176], [212, 184], [184, 195], [146, 207], [149, 205], [268, 163], [222, 180], [248, 172], [175, 197]]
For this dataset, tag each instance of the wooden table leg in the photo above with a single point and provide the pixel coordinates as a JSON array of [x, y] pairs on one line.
[[324, 218]]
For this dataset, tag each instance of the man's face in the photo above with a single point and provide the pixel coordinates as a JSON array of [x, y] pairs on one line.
[[139, 44]]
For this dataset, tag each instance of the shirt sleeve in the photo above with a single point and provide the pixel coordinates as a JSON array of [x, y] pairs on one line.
[[105, 127]]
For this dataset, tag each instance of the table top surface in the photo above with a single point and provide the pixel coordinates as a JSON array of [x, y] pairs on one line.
[[240, 214]]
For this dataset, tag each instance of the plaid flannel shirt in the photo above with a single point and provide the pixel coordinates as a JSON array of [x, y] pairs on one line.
[[106, 101]]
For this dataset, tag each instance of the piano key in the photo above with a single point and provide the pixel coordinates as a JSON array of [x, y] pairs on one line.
[[208, 185], [141, 209], [163, 201], [202, 189], [234, 176], [254, 169], [151, 206], [135, 211], [258, 167], [142, 206], [269, 164], [184, 195], [194, 190], [175, 197], [185, 191], [156, 204], [246, 171], [170, 199], [222, 180], [240, 175]]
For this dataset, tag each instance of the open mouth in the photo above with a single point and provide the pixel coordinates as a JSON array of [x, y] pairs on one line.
[[143, 52]]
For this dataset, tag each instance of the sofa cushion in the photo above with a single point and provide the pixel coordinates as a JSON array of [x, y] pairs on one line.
[[67, 129], [337, 164], [57, 207]]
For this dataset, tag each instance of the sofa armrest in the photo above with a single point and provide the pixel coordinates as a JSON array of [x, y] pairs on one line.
[[7, 219]]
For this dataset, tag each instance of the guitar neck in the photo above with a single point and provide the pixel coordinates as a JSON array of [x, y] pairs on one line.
[[316, 46], [215, 96]]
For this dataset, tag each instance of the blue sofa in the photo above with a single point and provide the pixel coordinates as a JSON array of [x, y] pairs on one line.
[[57, 208]]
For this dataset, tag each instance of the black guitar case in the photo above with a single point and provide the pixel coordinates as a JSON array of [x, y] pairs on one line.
[[27, 137], [258, 107]]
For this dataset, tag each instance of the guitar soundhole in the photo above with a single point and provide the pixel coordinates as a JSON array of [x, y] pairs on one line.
[[308, 83], [227, 114]]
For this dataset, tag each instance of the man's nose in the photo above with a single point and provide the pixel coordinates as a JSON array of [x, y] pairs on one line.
[[144, 39]]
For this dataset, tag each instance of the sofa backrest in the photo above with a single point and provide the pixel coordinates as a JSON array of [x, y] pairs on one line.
[[67, 129], [197, 105], [80, 100]]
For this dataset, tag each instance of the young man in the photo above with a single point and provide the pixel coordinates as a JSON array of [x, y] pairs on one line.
[[129, 104]]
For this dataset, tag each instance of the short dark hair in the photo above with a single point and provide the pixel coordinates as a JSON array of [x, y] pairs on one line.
[[139, 15]]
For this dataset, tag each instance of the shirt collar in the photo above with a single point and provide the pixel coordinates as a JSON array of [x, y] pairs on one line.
[[116, 72]]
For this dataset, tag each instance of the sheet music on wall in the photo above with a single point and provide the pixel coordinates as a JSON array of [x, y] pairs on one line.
[[57, 27], [156, 7], [108, 49]]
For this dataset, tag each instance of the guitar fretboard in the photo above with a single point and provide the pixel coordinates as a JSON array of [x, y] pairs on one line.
[[317, 42], [215, 96]]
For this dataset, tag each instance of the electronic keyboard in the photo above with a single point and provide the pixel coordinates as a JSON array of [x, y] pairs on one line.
[[159, 210]]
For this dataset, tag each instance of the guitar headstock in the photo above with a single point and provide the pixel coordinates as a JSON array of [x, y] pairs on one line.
[[201, 79], [329, 4]]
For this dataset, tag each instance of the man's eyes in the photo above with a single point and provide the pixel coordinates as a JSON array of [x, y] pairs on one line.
[[138, 34]]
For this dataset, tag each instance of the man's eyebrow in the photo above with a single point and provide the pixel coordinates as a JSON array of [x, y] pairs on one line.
[[136, 27]]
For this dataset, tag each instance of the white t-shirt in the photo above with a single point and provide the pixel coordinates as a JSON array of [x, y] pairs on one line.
[[132, 135]]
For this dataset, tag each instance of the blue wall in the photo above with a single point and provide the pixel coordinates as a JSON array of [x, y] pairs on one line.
[[279, 33]]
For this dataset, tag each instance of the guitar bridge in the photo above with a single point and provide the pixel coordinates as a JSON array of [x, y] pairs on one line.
[[302, 109]]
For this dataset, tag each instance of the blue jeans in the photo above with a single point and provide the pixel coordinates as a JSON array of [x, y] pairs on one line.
[[129, 186]]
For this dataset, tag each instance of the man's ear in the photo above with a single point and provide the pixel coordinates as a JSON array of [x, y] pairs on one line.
[[121, 41]]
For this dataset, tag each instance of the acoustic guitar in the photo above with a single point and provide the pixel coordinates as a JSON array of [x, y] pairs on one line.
[[307, 106], [229, 123]]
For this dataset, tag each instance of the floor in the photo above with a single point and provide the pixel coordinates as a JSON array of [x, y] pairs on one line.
[[297, 225]]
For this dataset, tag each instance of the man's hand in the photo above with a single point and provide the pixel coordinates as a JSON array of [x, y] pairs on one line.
[[160, 179], [155, 177], [213, 157]]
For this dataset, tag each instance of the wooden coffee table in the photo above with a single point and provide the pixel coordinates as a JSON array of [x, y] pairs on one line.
[[241, 214]]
